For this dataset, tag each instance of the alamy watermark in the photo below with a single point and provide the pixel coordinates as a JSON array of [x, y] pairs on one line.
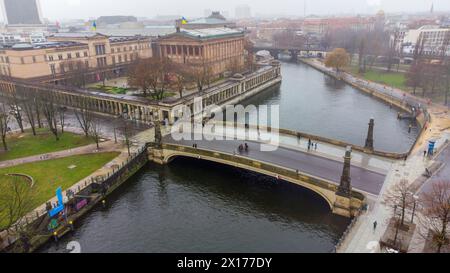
[[197, 123]]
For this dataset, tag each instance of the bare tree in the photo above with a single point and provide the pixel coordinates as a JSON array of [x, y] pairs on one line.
[[16, 110], [181, 75], [152, 76], [399, 197], [127, 133], [435, 215], [62, 117], [4, 122], [50, 111], [200, 74], [391, 48], [249, 54], [77, 72], [28, 102], [95, 131], [84, 117], [15, 201], [140, 75]]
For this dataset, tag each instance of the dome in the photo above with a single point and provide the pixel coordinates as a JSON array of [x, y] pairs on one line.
[[22, 46]]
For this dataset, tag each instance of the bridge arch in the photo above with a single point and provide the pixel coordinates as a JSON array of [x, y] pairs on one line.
[[326, 195]]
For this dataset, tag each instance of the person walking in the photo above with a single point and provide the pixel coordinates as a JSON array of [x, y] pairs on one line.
[[315, 146], [375, 225]]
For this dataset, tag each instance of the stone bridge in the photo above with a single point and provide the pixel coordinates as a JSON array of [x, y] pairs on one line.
[[306, 51], [344, 186]]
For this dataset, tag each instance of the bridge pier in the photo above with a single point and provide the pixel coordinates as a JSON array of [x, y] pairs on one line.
[[343, 203]]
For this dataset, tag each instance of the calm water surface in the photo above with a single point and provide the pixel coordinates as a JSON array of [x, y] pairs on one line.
[[195, 206]]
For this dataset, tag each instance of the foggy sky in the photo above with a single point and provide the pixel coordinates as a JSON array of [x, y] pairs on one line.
[[84, 9]]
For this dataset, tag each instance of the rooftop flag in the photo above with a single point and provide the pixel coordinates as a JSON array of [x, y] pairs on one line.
[[183, 21], [94, 26]]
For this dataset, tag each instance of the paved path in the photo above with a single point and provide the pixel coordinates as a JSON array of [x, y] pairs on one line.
[[362, 179], [89, 149]]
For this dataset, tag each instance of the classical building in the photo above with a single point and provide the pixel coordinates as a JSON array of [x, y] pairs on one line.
[[215, 20], [215, 48], [66, 52]]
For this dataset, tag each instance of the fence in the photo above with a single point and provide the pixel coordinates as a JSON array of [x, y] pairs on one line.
[[348, 230], [109, 182]]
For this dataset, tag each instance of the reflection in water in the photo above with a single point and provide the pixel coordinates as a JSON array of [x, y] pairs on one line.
[[314, 103], [196, 206], [221, 210]]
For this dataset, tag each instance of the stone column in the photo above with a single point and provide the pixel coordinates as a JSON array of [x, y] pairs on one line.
[[345, 187], [369, 139], [343, 202]]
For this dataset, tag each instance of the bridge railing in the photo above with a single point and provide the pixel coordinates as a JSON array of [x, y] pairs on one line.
[[300, 135]]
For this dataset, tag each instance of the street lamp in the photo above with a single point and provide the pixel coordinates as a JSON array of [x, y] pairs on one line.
[[416, 198]]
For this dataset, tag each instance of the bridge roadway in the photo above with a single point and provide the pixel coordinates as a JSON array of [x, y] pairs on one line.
[[362, 179]]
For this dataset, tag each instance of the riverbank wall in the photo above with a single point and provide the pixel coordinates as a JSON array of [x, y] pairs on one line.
[[423, 119], [80, 202]]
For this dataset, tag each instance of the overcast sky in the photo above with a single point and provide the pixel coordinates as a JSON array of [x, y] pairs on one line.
[[71, 9]]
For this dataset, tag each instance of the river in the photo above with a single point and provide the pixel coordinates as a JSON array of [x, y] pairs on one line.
[[196, 206]]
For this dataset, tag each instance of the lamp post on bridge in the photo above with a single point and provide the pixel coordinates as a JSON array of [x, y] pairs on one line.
[[369, 139], [345, 187]]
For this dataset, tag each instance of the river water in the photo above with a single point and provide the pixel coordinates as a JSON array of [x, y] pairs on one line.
[[196, 206]]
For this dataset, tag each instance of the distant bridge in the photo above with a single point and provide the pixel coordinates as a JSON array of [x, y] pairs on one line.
[[275, 50]]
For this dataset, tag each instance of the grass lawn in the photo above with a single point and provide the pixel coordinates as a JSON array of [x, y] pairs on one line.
[[112, 89], [49, 175], [26, 144], [394, 79]]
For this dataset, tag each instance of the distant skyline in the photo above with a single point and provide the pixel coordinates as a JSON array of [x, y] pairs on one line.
[[85, 9]]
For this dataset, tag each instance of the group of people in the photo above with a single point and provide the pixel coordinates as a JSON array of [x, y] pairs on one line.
[[241, 147], [311, 145]]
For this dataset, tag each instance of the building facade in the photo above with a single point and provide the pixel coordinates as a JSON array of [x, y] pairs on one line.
[[67, 52], [21, 12], [218, 48], [434, 41]]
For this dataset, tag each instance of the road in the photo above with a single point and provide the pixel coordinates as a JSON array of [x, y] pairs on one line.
[[362, 179], [442, 175]]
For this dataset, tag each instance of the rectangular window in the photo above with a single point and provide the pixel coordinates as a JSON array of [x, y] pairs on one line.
[[112, 50], [120, 58], [114, 59], [69, 55], [86, 64], [100, 50], [78, 54], [85, 54], [60, 56], [34, 59], [53, 69], [22, 60]]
